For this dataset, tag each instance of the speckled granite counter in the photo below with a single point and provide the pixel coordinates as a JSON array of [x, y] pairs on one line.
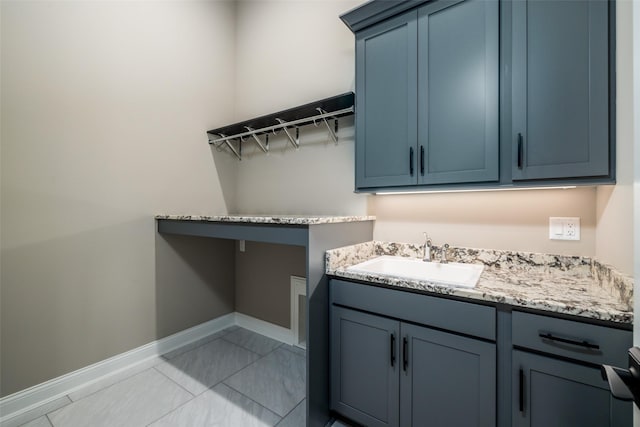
[[573, 285], [270, 219]]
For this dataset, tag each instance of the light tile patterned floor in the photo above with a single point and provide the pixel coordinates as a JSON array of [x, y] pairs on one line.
[[232, 378]]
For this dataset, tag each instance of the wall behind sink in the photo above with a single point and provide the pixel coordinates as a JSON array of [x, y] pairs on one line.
[[512, 220]]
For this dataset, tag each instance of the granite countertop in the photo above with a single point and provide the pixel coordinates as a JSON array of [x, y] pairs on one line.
[[573, 285], [270, 219]]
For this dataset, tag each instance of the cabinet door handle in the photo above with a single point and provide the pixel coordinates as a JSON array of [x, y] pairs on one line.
[[583, 343], [521, 391], [411, 161], [422, 160], [520, 151], [405, 353], [393, 350]]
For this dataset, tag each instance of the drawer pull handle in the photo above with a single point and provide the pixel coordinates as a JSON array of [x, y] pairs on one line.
[[393, 349], [583, 343]]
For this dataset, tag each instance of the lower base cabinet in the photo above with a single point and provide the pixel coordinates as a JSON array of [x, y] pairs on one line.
[[449, 381], [365, 367], [549, 392], [386, 372], [555, 375], [405, 359]]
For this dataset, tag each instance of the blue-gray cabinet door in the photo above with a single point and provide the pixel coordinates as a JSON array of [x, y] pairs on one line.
[[386, 102], [458, 92], [550, 392], [446, 380], [560, 96], [364, 367]]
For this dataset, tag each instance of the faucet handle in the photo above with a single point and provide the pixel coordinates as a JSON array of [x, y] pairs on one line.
[[445, 248]]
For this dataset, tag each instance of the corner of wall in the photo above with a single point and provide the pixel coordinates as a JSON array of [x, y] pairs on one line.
[[614, 204]]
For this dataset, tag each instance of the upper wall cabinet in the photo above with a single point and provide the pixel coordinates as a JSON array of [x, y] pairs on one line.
[[427, 96], [386, 98], [458, 92], [483, 93], [560, 89]]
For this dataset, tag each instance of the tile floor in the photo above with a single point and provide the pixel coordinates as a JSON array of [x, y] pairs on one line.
[[232, 378]]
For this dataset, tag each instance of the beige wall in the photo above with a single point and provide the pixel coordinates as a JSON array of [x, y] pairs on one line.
[[104, 108], [195, 281], [263, 280], [510, 220], [290, 53], [615, 203]]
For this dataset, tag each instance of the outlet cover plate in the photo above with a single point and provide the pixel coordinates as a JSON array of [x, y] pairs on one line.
[[564, 228]]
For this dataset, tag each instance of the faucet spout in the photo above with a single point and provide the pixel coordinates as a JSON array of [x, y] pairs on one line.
[[426, 255]]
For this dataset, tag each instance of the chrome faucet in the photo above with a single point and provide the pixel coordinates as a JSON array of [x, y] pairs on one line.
[[426, 256], [445, 248]]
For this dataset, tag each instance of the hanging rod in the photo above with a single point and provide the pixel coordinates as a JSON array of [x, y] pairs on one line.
[[315, 112], [299, 122]]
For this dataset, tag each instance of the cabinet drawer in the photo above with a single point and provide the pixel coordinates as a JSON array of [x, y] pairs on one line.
[[462, 317], [567, 338]]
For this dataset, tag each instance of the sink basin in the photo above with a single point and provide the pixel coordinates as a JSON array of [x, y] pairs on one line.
[[450, 274]]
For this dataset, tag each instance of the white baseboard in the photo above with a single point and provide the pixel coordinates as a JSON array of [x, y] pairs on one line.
[[267, 329], [40, 394]]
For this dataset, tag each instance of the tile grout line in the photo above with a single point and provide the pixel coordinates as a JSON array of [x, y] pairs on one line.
[[220, 337], [256, 361], [163, 358], [104, 388], [198, 346], [193, 396], [286, 347], [211, 389], [257, 403], [71, 401], [260, 357], [46, 414], [222, 381], [174, 409], [292, 409], [228, 376], [253, 351]]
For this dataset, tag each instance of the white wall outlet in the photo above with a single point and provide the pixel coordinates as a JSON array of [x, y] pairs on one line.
[[564, 228], [242, 245]]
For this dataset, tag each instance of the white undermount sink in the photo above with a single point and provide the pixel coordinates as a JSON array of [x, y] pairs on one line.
[[450, 274]]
